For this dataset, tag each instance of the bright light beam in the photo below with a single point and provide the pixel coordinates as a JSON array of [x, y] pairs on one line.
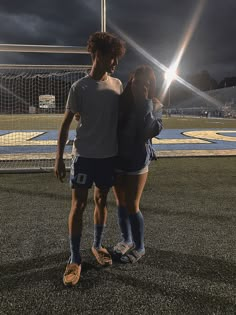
[[182, 47], [161, 66]]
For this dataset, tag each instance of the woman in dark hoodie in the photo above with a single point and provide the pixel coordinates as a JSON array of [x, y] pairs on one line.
[[139, 121]]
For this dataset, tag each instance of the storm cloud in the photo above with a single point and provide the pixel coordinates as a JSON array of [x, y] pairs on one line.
[[158, 26]]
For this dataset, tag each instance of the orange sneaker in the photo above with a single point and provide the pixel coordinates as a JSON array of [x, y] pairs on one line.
[[72, 274], [102, 256]]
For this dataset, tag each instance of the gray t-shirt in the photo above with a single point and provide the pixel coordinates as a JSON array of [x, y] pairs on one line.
[[97, 104]]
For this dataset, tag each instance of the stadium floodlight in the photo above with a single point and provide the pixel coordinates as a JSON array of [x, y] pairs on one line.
[[170, 75]]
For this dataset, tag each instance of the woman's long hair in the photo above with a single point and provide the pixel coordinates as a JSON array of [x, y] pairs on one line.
[[126, 103]]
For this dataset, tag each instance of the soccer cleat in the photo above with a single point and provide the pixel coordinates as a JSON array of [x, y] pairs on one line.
[[72, 274], [102, 256]]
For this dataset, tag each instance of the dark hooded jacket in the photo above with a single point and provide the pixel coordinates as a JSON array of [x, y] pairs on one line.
[[135, 131]]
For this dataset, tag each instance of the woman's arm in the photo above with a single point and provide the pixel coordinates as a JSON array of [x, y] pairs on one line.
[[149, 119]]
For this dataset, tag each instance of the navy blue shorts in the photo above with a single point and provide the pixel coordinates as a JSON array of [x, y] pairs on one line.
[[86, 171]]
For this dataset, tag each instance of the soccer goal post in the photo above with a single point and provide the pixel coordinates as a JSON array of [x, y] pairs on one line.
[[32, 103]]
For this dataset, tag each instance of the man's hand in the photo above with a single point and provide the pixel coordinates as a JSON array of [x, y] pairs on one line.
[[60, 169]]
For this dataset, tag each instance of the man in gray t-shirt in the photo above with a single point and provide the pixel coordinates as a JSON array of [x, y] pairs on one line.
[[97, 103], [94, 99]]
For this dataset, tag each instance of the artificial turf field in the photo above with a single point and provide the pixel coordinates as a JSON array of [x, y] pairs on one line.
[[53, 121], [189, 207], [190, 262]]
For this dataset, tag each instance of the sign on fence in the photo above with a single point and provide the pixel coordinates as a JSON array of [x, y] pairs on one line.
[[47, 101]]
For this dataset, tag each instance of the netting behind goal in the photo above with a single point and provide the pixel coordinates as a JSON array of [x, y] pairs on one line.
[[32, 103]]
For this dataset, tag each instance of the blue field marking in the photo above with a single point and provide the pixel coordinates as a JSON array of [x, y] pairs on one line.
[[171, 142]]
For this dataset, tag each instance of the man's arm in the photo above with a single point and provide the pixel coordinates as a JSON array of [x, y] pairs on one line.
[[59, 169]]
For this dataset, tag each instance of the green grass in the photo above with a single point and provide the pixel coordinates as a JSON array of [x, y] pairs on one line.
[[31, 122], [52, 122], [196, 122]]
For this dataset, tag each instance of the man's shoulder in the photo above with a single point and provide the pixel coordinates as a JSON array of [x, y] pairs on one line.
[[81, 83], [81, 80], [116, 84], [115, 80]]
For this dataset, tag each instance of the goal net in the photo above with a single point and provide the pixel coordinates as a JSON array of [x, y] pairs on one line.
[[32, 103]]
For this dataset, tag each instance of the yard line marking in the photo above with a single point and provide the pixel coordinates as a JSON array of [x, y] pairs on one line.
[[179, 141], [211, 135]]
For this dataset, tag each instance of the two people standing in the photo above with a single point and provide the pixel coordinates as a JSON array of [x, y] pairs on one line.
[[95, 99]]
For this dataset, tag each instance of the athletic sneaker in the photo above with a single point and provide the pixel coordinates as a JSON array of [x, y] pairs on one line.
[[122, 248], [72, 274], [132, 256], [102, 256]]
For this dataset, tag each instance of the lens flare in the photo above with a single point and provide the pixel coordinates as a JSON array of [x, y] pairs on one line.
[[170, 75], [177, 59], [182, 47]]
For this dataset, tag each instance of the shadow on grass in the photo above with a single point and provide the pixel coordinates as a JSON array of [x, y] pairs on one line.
[[195, 268], [200, 267], [52, 267], [45, 273], [187, 295], [41, 269]]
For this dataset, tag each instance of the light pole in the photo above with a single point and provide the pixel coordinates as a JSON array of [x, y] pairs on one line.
[[103, 15], [169, 77], [169, 98]]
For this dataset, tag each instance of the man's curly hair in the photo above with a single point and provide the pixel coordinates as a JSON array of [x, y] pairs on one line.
[[106, 43]]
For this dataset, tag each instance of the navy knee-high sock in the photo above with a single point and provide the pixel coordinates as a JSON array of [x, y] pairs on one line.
[[137, 227], [75, 249], [124, 224], [98, 235]]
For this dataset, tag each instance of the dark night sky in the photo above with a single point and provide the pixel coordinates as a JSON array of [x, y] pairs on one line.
[[157, 26]]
